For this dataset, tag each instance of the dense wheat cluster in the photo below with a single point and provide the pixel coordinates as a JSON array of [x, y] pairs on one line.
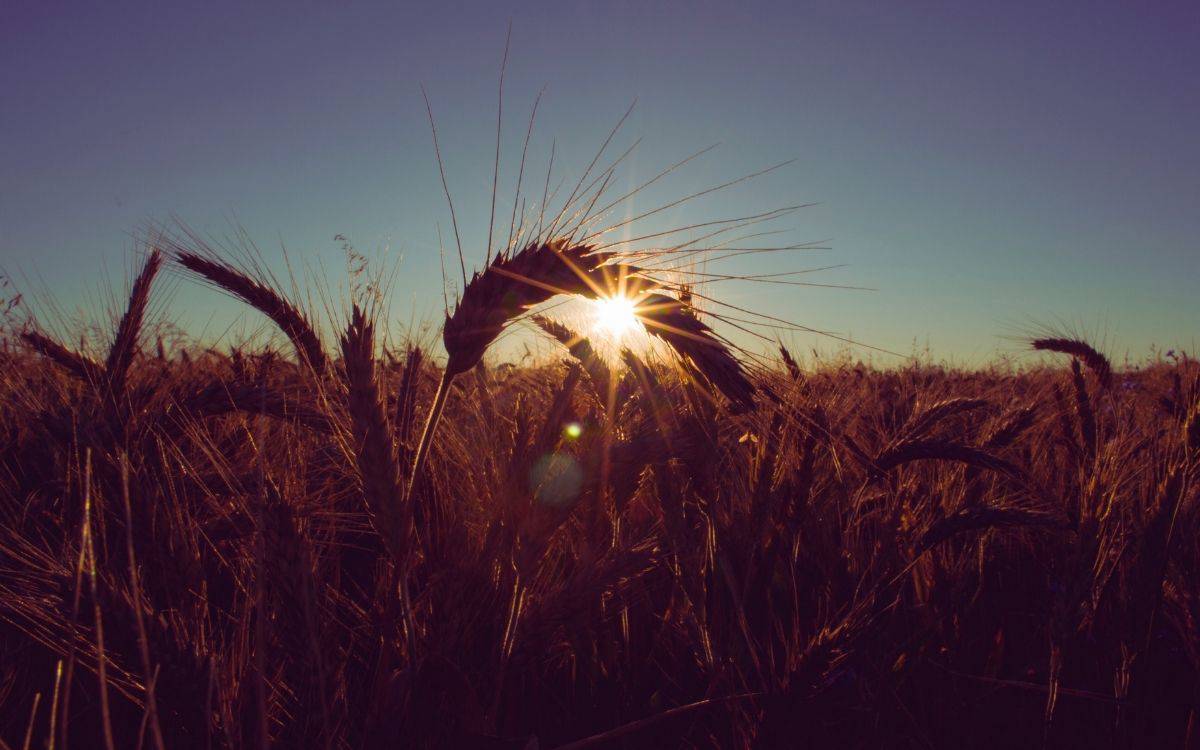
[[226, 549]]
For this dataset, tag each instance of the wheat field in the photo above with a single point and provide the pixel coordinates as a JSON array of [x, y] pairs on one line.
[[343, 544]]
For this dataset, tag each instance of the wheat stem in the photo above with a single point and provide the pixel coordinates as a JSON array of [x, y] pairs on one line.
[[136, 592], [431, 423]]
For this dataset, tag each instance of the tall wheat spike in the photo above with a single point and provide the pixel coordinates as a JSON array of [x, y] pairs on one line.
[[120, 355], [375, 452], [374, 449], [793, 367]]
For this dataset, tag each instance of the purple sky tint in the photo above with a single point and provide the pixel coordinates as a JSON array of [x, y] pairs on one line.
[[980, 164]]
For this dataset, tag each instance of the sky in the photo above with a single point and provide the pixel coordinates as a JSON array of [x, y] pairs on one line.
[[982, 167]]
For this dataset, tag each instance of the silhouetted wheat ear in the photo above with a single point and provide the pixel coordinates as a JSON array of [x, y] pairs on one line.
[[223, 397], [78, 365], [924, 422], [906, 451], [125, 343], [558, 331], [981, 518], [261, 297], [406, 399], [581, 349], [1084, 409], [640, 374], [676, 323], [375, 454], [1191, 430], [1096, 362], [511, 285], [793, 367]]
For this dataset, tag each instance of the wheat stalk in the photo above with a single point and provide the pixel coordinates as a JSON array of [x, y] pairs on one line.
[[406, 400], [1084, 410]]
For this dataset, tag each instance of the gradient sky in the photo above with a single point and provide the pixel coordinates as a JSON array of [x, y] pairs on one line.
[[982, 165]]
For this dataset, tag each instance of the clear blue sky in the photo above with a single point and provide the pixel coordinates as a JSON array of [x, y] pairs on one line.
[[980, 164]]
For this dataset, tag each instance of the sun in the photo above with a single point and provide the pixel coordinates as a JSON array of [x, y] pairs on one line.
[[616, 316]]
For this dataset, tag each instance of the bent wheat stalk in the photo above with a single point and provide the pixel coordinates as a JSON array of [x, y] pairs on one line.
[[514, 283], [509, 286]]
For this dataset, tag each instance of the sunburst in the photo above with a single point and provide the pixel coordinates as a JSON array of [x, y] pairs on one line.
[[615, 317]]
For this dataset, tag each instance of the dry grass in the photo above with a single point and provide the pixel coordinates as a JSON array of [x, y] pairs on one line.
[[251, 552]]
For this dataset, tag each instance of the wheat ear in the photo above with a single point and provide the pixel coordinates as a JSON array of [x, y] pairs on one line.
[[581, 349], [923, 423], [509, 286], [374, 451], [79, 365], [676, 324], [263, 298], [375, 454], [793, 367], [985, 517], [120, 355], [1081, 350]]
